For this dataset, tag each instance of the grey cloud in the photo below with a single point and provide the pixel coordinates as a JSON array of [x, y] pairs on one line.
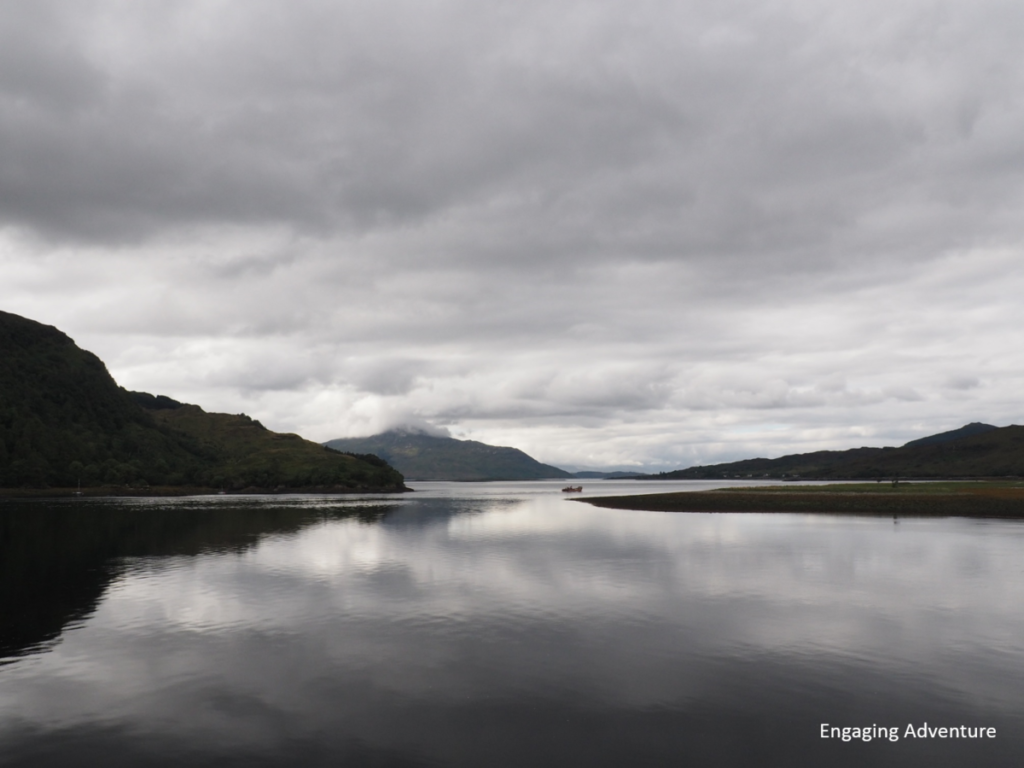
[[40, 63], [267, 371], [384, 377], [415, 425], [962, 382], [366, 117], [666, 221]]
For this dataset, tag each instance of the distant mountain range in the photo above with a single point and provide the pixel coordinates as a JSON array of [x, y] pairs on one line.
[[65, 421], [593, 474], [419, 456], [974, 450]]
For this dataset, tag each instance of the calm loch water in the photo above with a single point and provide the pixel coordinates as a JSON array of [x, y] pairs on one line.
[[500, 625]]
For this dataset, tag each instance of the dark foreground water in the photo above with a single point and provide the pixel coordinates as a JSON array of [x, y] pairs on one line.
[[500, 625]]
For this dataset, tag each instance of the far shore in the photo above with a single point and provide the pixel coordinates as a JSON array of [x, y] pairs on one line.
[[939, 499], [114, 491]]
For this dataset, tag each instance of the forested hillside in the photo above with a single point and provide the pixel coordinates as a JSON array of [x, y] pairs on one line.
[[64, 421], [975, 450], [420, 456]]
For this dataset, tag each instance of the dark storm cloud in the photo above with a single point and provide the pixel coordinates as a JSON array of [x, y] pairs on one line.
[[666, 221], [665, 131]]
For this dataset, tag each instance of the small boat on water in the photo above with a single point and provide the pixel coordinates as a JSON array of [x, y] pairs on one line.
[[573, 489]]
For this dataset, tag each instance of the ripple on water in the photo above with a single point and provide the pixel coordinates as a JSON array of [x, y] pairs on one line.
[[503, 628]]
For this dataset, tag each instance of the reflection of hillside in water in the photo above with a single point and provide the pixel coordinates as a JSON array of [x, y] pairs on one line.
[[58, 558]]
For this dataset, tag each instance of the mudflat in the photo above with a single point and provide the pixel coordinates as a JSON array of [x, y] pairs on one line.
[[932, 499]]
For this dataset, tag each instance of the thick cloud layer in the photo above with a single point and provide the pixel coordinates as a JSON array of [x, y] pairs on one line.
[[606, 233]]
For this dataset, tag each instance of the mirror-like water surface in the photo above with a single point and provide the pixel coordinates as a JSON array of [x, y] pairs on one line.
[[501, 625]]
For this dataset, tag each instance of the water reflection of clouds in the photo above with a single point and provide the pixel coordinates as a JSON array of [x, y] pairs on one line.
[[571, 560], [542, 598]]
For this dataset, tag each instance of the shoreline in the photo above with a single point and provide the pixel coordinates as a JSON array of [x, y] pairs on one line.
[[157, 492], [1001, 501]]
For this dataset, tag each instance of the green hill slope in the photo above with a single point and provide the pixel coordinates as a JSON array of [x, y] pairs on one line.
[[250, 455], [992, 453], [420, 456], [794, 465], [62, 417], [976, 450], [968, 430], [64, 420]]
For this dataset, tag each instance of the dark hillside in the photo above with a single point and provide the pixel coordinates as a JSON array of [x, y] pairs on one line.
[[992, 453], [794, 465], [65, 421], [975, 450], [420, 456], [253, 456], [968, 430]]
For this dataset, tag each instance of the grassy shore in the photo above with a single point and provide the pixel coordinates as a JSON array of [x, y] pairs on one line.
[[938, 499]]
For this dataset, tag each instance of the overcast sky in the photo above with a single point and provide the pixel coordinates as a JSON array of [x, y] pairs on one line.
[[653, 233]]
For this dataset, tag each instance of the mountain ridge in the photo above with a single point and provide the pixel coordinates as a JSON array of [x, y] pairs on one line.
[[974, 450], [65, 422], [967, 430], [422, 456]]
